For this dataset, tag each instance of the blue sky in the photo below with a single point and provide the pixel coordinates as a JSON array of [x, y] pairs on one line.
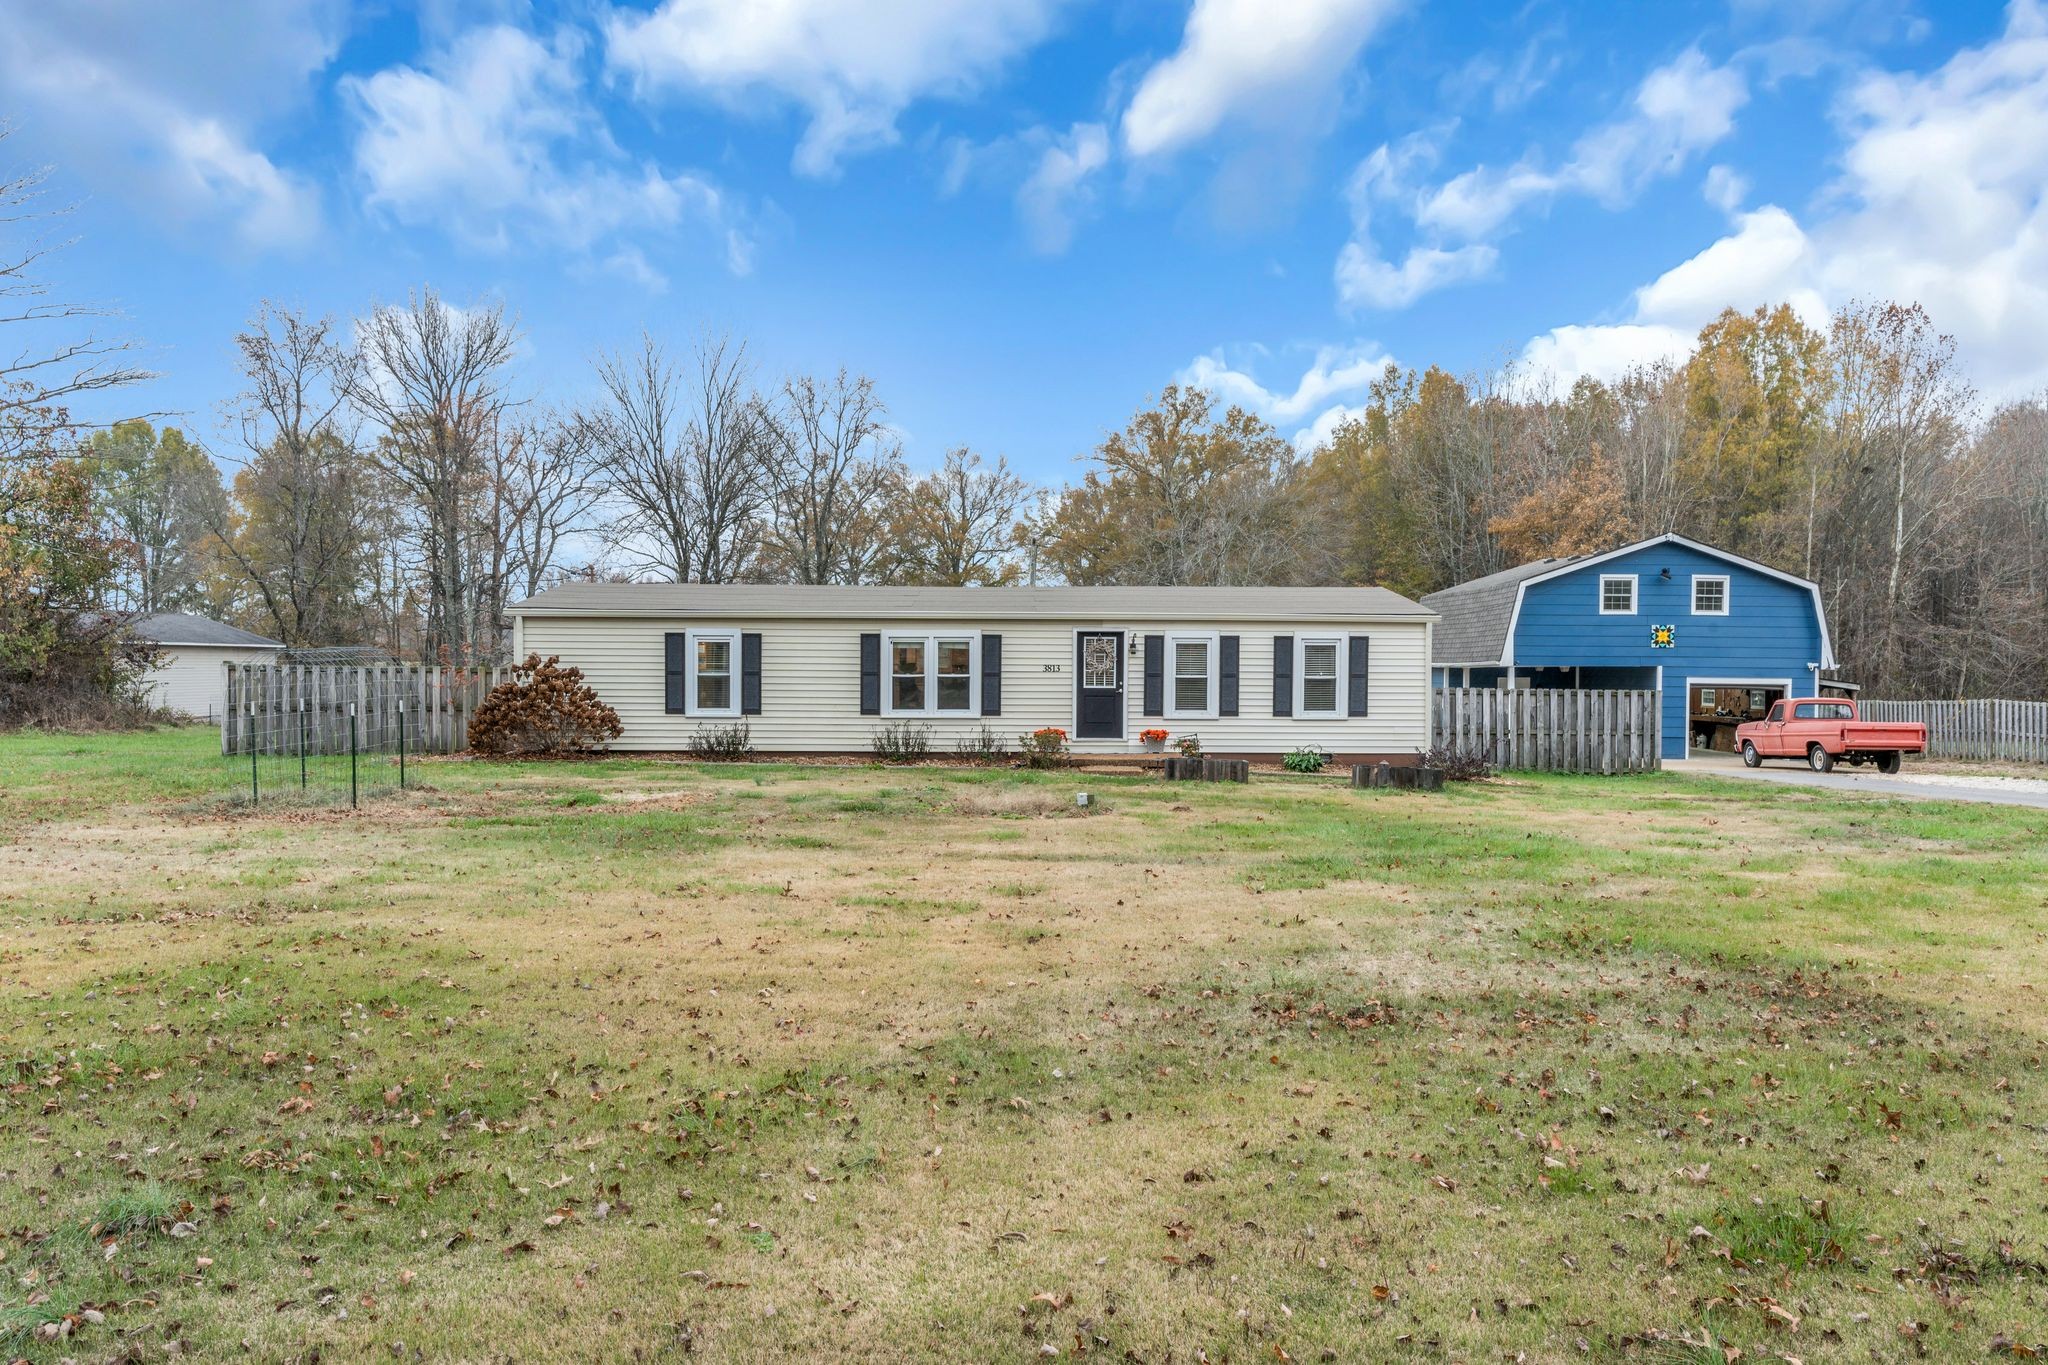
[[1021, 217]]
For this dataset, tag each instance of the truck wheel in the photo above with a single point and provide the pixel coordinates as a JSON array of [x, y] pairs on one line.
[[1819, 759], [1889, 764], [1750, 757]]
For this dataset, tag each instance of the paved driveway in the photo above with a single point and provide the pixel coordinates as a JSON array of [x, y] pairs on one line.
[[1999, 791]]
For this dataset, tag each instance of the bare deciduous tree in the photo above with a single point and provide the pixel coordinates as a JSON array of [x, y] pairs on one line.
[[45, 359], [548, 479], [685, 454], [835, 461], [299, 533], [434, 379], [957, 526]]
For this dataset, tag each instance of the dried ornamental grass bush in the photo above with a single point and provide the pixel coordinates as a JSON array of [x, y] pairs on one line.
[[901, 742], [1457, 765], [723, 743], [544, 709], [985, 747]]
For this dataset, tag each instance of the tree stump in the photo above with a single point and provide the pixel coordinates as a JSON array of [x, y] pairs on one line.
[[1405, 778], [1372, 775], [1208, 770]]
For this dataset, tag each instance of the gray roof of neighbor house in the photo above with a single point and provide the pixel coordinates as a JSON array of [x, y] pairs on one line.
[[181, 628], [900, 604], [1474, 629]]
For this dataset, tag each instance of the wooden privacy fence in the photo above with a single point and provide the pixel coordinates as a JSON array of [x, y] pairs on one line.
[[1555, 730], [2011, 731], [273, 707]]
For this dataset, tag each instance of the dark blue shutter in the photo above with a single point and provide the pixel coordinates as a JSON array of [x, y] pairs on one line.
[[675, 649], [991, 675], [1155, 675], [1226, 676], [1283, 675], [750, 674], [1360, 644], [871, 674]]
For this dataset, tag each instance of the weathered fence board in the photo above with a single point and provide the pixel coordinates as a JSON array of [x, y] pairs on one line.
[[1988, 729], [1581, 730], [276, 707]]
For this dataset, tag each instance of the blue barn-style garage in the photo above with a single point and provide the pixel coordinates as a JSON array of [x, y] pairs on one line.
[[1722, 636]]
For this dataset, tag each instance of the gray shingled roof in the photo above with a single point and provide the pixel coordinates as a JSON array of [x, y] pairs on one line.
[[181, 628], [886, 604], [1474, 629]]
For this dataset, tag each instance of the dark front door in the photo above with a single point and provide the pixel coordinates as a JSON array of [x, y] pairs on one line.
[[1099, 684]]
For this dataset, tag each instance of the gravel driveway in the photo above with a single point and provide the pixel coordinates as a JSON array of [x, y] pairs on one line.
[[1998, 791]]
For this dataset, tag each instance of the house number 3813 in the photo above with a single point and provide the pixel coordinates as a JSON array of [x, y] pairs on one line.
[[1050, 668]]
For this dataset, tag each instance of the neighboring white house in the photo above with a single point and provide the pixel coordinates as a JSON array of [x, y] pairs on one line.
[[1252, 671], [188, 677]]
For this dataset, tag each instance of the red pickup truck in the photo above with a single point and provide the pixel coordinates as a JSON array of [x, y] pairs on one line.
[[1824, 731]]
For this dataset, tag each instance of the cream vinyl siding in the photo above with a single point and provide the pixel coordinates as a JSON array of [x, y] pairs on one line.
[[810, 681], [191, 679]]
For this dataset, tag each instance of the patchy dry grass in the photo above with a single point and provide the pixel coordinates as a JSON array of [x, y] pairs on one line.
[[634, 1059]]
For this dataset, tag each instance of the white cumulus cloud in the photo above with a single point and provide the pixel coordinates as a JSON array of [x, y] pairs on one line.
[[493, 139], [167, 105], [1942, 200], [1366, 277], [854, 65], [1247, 58], [1681, 108], [1058, 188], [1312, 408]]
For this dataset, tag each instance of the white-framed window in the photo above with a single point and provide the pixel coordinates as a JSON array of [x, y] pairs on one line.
[[1709, 594], [1190, 677], [931, 675], [1617, 594], [712, 666], [1318, 676]]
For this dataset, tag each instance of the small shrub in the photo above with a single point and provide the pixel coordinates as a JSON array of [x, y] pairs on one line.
[[1457, 765], [1306, 758], [984, 746], [902, 742], [732, 743], [1190, 746], [1045, 748], [544, 709]]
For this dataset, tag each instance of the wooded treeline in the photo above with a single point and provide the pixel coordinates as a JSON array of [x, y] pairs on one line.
[[398, 492], [396, 482]]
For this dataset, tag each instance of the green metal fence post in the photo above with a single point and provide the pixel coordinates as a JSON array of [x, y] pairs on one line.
[[302, 743], [252, 757], [352, 755], [401, 746]]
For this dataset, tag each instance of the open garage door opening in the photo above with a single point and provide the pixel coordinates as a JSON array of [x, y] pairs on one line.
[[1715, 706]]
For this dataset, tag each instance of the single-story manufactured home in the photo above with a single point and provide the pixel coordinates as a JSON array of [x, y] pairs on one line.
[[188, 677], [1722, 636], [1249, 671]]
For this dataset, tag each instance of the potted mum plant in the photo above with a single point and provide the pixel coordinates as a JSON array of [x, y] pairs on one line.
[[1155, 740]]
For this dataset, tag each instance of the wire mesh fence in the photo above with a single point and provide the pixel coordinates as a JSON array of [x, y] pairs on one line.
[[324, 734], [303, 753]]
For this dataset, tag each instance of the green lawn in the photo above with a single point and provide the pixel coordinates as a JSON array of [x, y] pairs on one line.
[[634, 1059]]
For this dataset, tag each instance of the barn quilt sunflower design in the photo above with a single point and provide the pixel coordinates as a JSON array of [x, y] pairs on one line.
[[1663, 637]]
